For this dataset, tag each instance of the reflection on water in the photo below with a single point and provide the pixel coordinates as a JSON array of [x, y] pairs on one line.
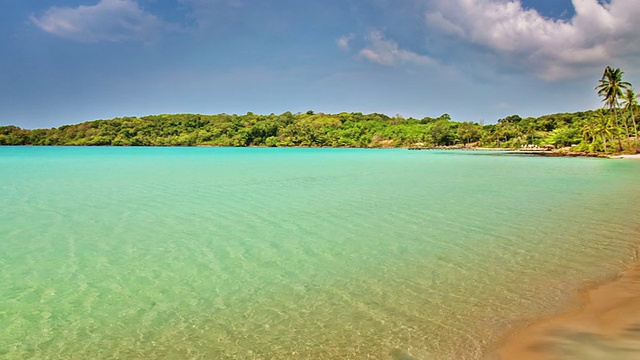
[[296, 253]]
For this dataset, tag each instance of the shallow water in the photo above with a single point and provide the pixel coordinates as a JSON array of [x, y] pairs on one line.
[[297, 253]]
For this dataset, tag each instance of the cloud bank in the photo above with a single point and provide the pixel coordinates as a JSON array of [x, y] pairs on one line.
[[108, 20], [599, 33]]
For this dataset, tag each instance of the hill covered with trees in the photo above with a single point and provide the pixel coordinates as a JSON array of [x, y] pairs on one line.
[[311, 129], [611, 129]]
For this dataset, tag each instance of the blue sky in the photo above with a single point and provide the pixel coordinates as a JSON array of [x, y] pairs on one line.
[[68, 61]]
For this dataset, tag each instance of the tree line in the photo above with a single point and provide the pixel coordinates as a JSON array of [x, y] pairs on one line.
[[610, 129]]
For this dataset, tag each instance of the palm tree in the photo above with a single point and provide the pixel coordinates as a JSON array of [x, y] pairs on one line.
[[611, 86], [630, 101], [589, 130], [605, 128]]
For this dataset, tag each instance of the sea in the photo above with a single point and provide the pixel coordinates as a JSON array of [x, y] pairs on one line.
[[298, 253]]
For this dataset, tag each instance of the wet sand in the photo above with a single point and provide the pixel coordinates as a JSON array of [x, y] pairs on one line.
[[605, 326]]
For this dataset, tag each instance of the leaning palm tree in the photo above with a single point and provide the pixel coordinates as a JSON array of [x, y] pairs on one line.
[[611, 86], [630, 101]]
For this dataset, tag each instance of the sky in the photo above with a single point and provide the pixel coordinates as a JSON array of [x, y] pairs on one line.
[[69, 61]]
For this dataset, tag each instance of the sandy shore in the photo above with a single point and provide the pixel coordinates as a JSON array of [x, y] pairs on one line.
[[606, 326], [628, 156]]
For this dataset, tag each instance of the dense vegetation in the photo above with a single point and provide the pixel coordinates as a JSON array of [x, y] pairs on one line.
[[309, 129], [590, 131]]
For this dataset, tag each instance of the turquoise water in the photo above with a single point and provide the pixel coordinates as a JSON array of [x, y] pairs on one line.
[[248, 253]]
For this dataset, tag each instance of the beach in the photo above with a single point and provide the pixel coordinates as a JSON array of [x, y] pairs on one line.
[[627, 156], [605, 325]]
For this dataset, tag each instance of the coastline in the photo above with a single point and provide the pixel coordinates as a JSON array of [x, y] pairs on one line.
[[509, 151], [604, 325], [626, 156], [542, 152]]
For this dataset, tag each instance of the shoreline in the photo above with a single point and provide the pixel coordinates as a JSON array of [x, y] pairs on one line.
[[510, 151], [534, 152], [603, 324], [626, 156]]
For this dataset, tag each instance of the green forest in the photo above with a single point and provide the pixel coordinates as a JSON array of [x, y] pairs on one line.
[[611, 129]]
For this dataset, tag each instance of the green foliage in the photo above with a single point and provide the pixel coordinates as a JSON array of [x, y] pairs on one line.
[[590, 131], [469, 132], [564, 136], [287, 129]]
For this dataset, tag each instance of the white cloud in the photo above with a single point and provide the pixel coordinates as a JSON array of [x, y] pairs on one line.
[[108, 20], [437, 20], [387, 52], [597, 34], [344, 42]]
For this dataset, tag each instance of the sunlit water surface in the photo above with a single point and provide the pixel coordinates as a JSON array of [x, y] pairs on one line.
[[223, 253]]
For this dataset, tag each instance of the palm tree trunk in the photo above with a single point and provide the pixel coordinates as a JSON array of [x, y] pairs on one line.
[[615, 125], [635, 129], [626, 129]]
